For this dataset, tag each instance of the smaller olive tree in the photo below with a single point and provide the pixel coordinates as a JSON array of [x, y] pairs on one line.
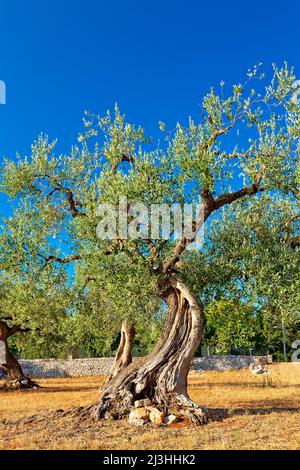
[[34, 301]]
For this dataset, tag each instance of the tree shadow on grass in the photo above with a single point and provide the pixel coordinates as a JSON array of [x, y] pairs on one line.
[[42, 389], [89, 388], [240, 384], [220, 414]]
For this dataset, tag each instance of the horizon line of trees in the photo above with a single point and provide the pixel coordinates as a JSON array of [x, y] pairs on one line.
[[233, 327]]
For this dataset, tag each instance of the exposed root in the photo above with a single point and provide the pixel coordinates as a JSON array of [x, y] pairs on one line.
[[119, 407]]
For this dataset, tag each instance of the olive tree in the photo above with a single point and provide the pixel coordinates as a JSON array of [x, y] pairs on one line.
[[202, 163]]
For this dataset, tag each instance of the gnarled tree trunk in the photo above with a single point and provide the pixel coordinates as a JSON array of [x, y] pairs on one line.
[[14, 376], [161, 376]]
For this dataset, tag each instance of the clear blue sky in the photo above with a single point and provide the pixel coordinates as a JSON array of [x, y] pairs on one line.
[[156, 59]]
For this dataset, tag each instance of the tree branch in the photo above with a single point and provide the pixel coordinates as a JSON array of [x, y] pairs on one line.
[[228, 198], [57, 259], [210, 204], [69, 194], [17, 329], [72, 203], [7, 331]]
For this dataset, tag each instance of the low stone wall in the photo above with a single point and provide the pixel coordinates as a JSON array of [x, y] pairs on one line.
[[222, 363], [51, 368]]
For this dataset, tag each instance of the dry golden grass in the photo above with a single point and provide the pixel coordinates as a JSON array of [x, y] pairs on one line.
[[248, 413]]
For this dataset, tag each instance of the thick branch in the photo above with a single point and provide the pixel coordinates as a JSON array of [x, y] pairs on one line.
[[234, 196], [17, 329], [210, 205], [7, 331]]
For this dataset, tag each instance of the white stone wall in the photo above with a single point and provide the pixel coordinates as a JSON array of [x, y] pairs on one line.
[[51, 368], [222, 363]]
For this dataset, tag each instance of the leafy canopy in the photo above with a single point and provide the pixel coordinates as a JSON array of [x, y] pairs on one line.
[[245, 143]]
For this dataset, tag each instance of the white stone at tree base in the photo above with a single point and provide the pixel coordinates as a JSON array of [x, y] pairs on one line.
[[142, 413], [157, 416], [142, 403], [170, 419], [134, 420]]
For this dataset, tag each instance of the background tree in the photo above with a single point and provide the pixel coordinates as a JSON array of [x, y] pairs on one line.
[[232, 323], [253, 254], [35, 301], [202, 162]]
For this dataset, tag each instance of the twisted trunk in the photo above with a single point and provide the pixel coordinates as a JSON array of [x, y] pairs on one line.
[[161, 376], [14, 376]]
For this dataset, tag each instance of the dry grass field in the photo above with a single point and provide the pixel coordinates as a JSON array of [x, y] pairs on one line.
[[247, 412]]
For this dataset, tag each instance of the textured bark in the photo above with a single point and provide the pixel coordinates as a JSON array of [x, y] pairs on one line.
[[14, 376], [124, 354], [162, 374]]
